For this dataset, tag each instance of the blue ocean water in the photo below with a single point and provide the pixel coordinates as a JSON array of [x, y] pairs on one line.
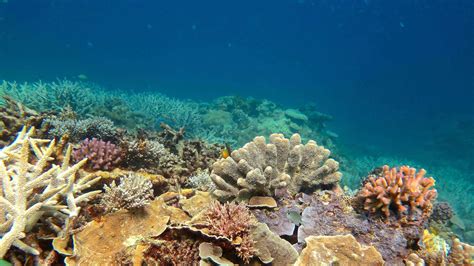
[[398, 76]]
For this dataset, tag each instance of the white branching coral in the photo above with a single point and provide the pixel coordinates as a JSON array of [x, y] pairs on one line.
[[32, 186], [133, 192], [260, 168]]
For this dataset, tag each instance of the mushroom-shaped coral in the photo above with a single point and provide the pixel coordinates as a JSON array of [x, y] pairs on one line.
[[283, 164], [101, 155], [403, 191]]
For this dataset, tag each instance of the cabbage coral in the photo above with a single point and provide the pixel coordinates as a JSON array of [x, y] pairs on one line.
[[404, 191]]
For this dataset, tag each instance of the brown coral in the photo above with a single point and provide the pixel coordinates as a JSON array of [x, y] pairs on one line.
[[14, 116], [461, 253], [261, 169], [403, 191], [232, 221]]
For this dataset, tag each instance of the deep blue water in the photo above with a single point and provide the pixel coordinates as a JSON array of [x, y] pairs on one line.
[[391, 72]]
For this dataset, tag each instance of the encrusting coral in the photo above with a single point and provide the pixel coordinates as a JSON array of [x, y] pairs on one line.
[[403, 191], [133, 192], [282, 165], [33, 187], [101, 155]]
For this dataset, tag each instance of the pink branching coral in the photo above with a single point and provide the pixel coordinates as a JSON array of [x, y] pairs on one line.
[[101, 155], [234, 222], [403, 191]]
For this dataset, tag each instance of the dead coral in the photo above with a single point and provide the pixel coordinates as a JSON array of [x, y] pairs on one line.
[[174, 249], [14, 116], [404, 191], [133, 192], [260, 168]]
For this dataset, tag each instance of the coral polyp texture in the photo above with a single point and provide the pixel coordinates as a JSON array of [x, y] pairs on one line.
[[32, 187], [405, 192], [133, 192], [101, 155], [263, 169], [232, 221]]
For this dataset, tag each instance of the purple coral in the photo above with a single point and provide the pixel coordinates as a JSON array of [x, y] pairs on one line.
[[101, 155]]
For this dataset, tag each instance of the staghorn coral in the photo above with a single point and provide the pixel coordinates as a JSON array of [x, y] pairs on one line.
[[101, 155], [133, 192], [260, 168], [76, 130], [32, 188], [403, 191]]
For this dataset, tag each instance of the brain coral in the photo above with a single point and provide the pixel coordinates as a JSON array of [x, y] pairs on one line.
[[403, 191], [260, 169]]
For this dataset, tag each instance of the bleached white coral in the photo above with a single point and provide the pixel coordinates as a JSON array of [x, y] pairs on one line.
[[133, 192], [32, 187]]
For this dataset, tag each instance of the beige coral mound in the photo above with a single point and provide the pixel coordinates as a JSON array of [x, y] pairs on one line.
[[32, 187], [260, 168], [337, 250]]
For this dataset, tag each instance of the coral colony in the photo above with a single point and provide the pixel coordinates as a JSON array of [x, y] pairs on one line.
[[89, 177]]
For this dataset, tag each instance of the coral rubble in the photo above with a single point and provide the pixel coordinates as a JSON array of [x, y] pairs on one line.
[[259, 168]]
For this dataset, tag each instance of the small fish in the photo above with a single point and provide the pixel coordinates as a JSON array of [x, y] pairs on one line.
[[82, 77], [294, 217], [226, 151]]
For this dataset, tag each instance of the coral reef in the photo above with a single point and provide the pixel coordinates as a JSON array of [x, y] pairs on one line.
[[403, 191], [284, 164], [442, 212], [31, 187], [338, 250], [77, 130], [14, 116], [133, 192], [461, 253], [201, 180], [100, 155], [232, 221]]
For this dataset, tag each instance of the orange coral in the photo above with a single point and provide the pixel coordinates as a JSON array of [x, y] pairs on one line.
[[404, 191]]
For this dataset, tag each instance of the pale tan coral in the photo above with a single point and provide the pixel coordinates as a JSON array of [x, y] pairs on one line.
[[461, 253], [414, 260], [258, 168], [337, 250], [32, 187]]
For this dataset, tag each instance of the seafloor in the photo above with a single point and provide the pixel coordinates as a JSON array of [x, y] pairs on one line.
[[96, 177]]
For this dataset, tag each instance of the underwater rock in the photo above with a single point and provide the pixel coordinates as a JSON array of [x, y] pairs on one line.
[[296, 115], [258, 169], [337, 250]]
